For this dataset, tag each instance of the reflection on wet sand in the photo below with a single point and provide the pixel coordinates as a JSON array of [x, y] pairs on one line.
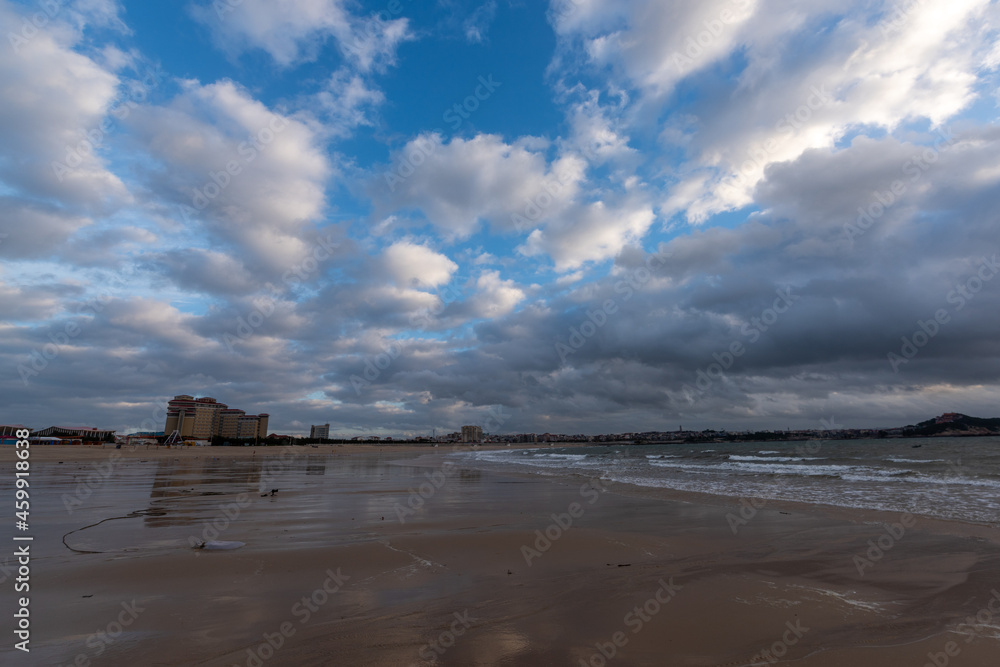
[[177, 481]]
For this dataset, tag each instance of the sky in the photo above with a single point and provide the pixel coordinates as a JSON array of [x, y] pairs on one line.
[[581, 216]]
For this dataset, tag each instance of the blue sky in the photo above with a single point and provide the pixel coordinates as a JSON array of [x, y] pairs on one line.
[[571, 212]]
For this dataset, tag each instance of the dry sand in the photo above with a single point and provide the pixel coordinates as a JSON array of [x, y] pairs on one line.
[[450, 585]]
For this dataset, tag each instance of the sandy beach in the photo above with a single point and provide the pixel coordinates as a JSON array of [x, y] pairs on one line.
[[380, 555]]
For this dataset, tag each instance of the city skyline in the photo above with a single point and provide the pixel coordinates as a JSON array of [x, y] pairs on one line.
[[952, 422], [578, 216]]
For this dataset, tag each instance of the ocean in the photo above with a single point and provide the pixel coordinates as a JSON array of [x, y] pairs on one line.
[[947, 478]]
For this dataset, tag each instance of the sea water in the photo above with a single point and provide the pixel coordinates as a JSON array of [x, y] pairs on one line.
[[949, 478]]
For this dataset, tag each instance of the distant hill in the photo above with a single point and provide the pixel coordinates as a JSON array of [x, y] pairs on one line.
[[953, 423]]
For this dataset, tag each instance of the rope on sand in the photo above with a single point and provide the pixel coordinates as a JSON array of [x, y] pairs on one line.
[[130, 515]]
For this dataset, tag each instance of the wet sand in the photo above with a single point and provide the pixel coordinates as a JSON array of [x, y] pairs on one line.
[[347, 563]]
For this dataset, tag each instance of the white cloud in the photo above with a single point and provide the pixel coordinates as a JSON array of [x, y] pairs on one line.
[[495, 297], [253, 177], [591, 233], [596, 133], [877, 68], [411, 265], [160, 321], [346, 102], [53, 98], [664, 42], [459, 184], [870, 78], [478, 23], [294, 30], [99, 13]]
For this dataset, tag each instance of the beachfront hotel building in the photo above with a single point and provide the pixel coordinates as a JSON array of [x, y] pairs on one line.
[[203, 418], [229, 422], [319, 431], [472, 434], [252, 426]]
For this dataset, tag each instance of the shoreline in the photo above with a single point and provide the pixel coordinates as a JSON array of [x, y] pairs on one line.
[[958, 526], [48, 453], [430, 456]]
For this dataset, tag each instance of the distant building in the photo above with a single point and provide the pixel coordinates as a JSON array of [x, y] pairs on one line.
[[10, 430], [229, 422], [77, 433], [472, 434], [947, 418], [320, 431], [55, 441], [142, 437], [203, 418], [261, 421], [191, 417], [252, 426]]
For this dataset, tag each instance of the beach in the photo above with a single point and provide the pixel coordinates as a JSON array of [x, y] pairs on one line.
[[396, 555]]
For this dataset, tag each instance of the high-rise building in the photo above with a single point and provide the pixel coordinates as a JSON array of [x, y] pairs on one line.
[[319, 431], [472, 434], [202, 418], [194, 417], [229, 423], [248, 426]]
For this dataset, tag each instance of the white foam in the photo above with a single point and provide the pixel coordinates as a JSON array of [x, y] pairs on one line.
[[762, 468], [849, 480], [867, 605], [902, 460], [773, 459], [219, 545]]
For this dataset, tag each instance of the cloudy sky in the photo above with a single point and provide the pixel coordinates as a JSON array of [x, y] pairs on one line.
[[581, 216]]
